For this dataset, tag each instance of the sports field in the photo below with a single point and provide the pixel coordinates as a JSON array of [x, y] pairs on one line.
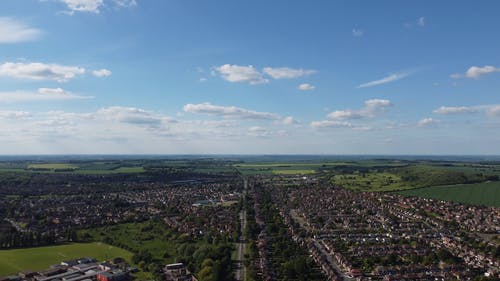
[[13, 261], [477, 194]]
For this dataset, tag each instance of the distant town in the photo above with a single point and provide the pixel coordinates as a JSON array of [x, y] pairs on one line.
[[232, 219]]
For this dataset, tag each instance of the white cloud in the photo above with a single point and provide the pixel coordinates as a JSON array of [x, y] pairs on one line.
[[249, 74], [10, 114], [91, 6], [286, 72], [237, 73], [494, 111], [125, 3], [330, 124], [257, 131], [14, 31], [475, 72], [455, 110], [421, 21], [306, 87], [102, 73], [132, 115], [427, 122], [346, 114], [229, 111], [357, 32], [94, 6], [289, 120], [40, 71], [43, 94], [385, 80], [370, 110]]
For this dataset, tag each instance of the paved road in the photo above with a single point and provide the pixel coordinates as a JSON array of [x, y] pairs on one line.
[[240, 273]]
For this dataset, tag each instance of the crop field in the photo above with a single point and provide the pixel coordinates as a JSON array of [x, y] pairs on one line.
[[487, 193], [13, 261]]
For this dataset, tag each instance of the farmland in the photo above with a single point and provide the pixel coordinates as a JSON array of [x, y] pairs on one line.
[[412, 176], [12, 261], [477, 194]]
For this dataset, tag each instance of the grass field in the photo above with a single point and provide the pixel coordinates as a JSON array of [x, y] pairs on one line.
[[13, 261], [152, 237], [53, 166], [370, 181], [293, 172], [282, 168], [477, 194]]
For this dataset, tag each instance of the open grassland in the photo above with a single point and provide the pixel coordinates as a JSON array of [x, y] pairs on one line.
[[13, 261], [487, 193], [370, 181]]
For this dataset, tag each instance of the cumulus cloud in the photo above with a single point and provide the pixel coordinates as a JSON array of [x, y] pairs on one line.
[[474, 72], [12, 114], [132, 115], [446, 110], [339, 118], [91, 6], [287, 72], [237, 73], [289, 120], [42, 94], [370, 110], [427, 122], [229, 111], [306, 87], [40, 71], [330, 124], [14, 31], [102, 73], [94, 6], [249, 74], [385, 80]]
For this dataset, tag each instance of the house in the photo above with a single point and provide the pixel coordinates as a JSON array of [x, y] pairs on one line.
[[177, 272]]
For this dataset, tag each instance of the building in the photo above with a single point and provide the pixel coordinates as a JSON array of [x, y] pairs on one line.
[[177, 272]]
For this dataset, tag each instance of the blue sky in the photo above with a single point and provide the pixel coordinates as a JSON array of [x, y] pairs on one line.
[[265, 77]]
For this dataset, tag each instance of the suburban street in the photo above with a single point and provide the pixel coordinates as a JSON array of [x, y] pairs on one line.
[[240, 273]]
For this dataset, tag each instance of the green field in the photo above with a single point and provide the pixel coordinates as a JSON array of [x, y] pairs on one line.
[[370, 181], [152, 237], [282, 168], [13, 261], [477, 194], [53, 166], [293, 172]]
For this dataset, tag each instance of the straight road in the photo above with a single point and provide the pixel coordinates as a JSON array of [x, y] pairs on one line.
[[240, 273]]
